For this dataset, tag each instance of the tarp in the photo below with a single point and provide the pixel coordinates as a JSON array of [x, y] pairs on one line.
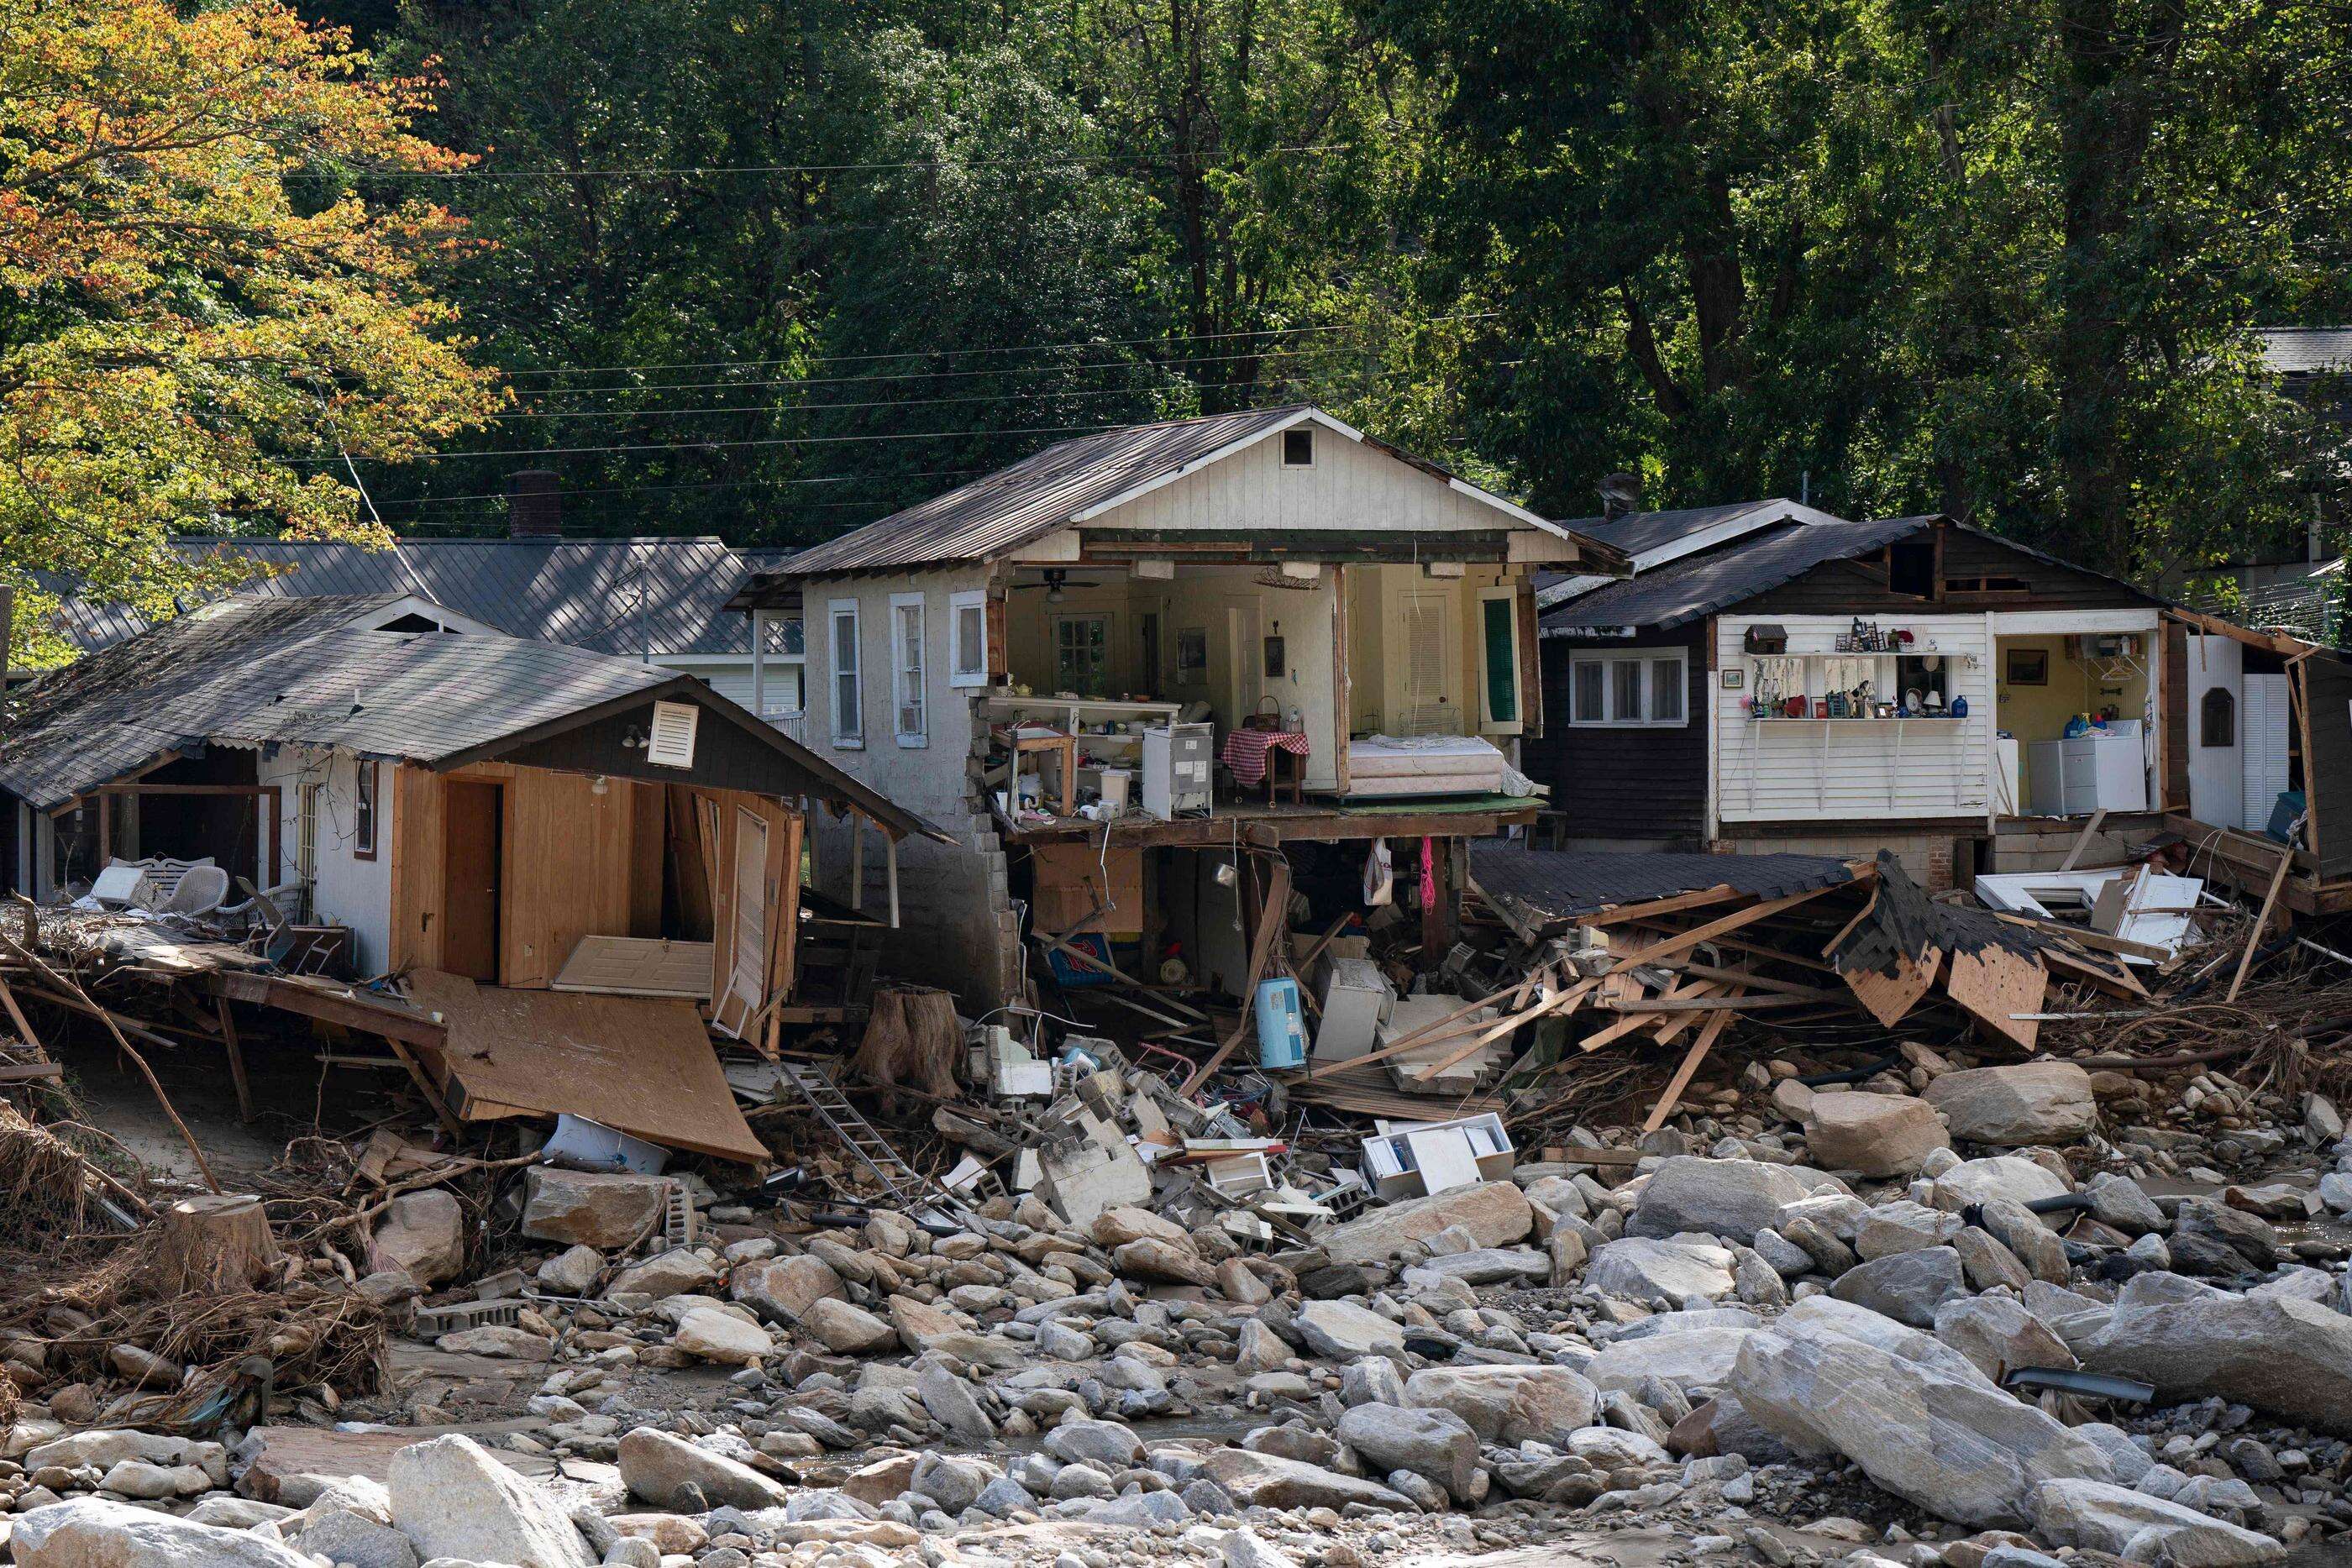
[[639, 1065]]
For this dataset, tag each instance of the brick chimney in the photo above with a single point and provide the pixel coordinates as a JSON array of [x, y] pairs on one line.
[[534, 505]]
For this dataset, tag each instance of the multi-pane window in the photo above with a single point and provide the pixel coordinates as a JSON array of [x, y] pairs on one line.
[[1626, 689], [906, 666], [1081, 653], [848, 686]]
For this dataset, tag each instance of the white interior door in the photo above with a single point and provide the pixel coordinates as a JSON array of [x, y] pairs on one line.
[[746, 975], [2217, 776], [2267, 712], [1245, 669], [1429, 695]]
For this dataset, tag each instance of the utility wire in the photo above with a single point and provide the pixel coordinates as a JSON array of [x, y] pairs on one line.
[[998, 348], [714, 445], [1000, 372], [699, 169]]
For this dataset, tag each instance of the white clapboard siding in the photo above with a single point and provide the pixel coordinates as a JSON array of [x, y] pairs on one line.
[[1810, 770], [1350, 487]]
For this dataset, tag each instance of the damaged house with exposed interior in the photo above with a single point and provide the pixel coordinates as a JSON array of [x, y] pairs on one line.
[[541, 877], [1773, 678], [1131, 673]]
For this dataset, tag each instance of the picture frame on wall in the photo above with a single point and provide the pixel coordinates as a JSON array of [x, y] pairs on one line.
[[1276, 659], [1192, 654], [2025, 667]]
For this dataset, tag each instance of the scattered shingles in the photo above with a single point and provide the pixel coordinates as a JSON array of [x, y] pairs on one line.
[[1558, 883]]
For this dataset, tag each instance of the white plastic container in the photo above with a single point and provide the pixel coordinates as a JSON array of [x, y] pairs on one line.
[[1116, 782]]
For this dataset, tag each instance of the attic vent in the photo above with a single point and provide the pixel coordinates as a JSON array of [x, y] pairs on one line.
[[1298, 447], [672, 742]]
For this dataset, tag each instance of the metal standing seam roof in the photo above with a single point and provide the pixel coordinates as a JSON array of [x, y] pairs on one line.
[[1050, 489], [1685, 591], [581, 592], [261, 672], [1636, 533]]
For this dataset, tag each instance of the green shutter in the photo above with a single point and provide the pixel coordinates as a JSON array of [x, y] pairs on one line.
[[1502, 663]]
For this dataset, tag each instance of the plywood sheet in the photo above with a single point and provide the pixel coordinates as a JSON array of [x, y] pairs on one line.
[[637, 967], [1890, 996], [1995, 984], [642, 1065]]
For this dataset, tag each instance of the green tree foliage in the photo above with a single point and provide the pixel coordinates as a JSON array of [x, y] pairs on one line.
[[770, 269], [1995, 259]]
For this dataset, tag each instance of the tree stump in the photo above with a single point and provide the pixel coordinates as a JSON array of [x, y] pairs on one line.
[[213, 1244]]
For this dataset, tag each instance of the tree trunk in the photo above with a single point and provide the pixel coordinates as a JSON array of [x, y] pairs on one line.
[[213, 1244]]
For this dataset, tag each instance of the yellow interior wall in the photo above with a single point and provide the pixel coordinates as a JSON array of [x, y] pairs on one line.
[[1376, 596], [2039, 713]]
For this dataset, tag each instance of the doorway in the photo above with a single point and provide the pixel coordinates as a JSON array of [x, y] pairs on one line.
[[473, 817]]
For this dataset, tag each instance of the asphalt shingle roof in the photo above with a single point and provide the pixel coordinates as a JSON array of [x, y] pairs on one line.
[[584, 592], [1683, 591], [2306, 350], [256, 672], [1558, 883]]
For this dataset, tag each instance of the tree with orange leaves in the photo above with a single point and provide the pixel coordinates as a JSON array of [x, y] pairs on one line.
[[203, 321]]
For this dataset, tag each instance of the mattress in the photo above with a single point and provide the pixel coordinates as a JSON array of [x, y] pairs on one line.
[[1423, 764]]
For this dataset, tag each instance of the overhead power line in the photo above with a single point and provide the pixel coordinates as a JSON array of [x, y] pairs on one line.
[[713, 445], [999, 348], [699, 170]]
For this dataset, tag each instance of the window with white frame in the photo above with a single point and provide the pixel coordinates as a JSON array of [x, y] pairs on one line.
[[1646, 688], [783, 658], [907, 668], [968, 638], [848, 684]]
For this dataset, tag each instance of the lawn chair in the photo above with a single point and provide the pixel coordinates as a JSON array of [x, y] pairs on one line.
[[201, 891], [277, 940]]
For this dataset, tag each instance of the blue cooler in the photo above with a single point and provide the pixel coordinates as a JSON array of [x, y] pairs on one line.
[[1281, 1026]]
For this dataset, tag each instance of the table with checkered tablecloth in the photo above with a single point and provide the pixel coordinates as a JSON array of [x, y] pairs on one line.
[[1245, 752]]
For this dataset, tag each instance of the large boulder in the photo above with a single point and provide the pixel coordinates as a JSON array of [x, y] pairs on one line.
[[1435, 1444], [1876, 1134], [2139, 1527], [781, 1289], [1906, 1286], [1156, 1259], [676, 1273], [2287, 1358], [1269, 1481], [453, 1500], [845, 1329], [1680, 1269], [1693, 1359], [1508, 1405], [1954, 1445], [1828, 1315], [423, 1235], [1494, 1214], [1996, 1176], [722, 1337], [1115, 1228], [2018, 1106], [1998, 1335], [590, 1208], [1733, 1199], [1344, 1331], [96, 1532], [670, 1472]]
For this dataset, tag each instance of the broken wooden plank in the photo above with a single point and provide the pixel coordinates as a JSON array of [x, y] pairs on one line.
[[2262, 924], [1562, 1004], [1618, 915], [1272, 922], [1686, 1071], [1722, 925], [2082, 839]]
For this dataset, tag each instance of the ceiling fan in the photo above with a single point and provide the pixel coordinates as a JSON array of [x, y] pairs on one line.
[[1057, 579]]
